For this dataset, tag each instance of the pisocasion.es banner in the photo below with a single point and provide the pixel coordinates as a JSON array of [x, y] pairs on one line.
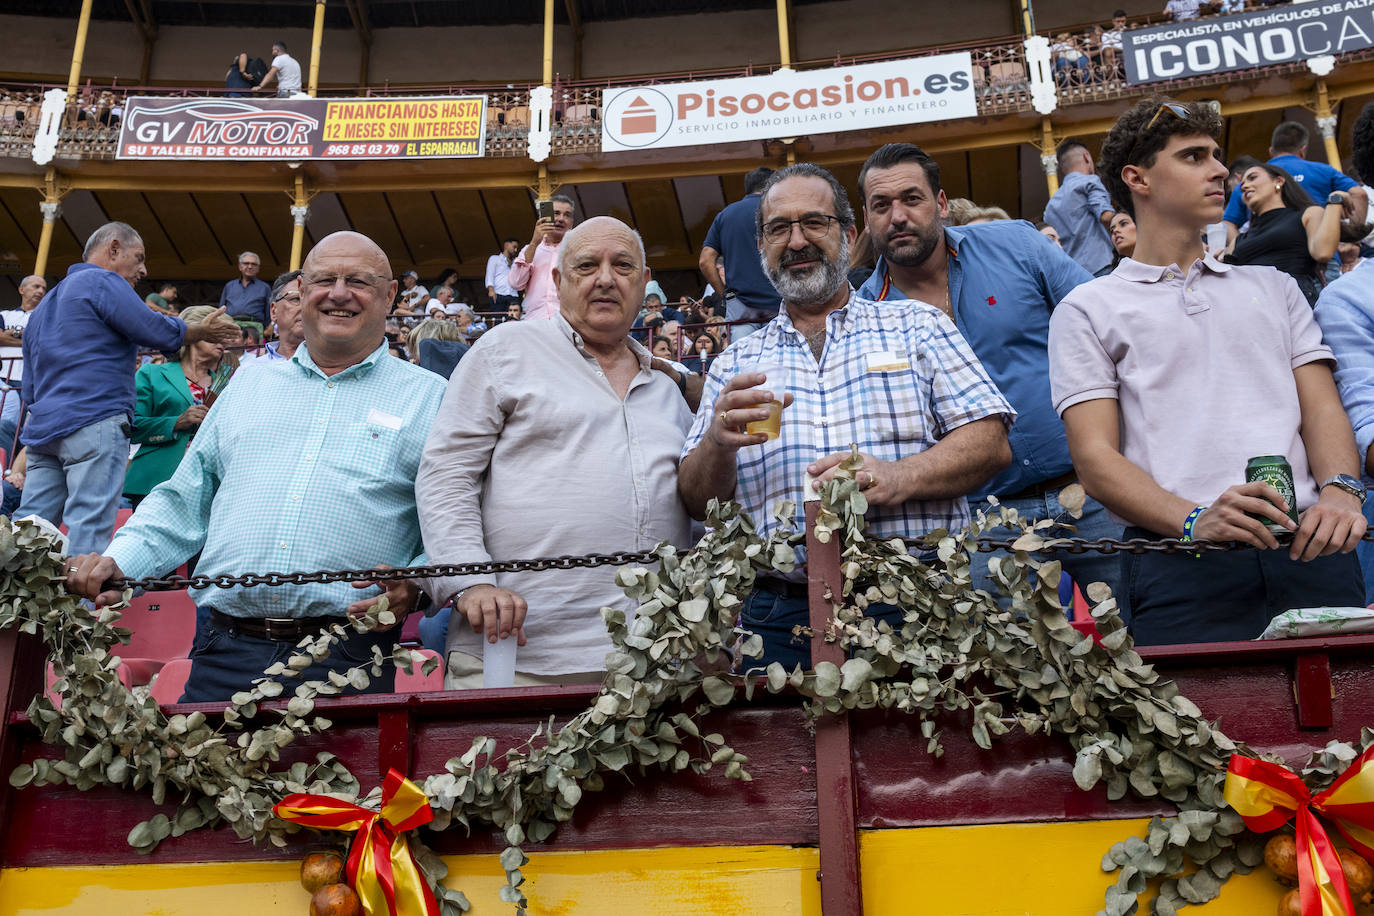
[[291, 129], [788, 103], [1275, 35]]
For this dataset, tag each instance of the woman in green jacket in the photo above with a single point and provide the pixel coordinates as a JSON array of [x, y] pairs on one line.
[[170, 404]]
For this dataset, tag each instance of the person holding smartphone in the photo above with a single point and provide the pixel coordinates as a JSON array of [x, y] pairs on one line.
[[532, 270]]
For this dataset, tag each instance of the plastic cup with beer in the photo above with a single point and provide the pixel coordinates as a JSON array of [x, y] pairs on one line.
[[775, 381]]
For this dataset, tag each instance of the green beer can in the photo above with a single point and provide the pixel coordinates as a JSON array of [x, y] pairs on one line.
[[1275, 471]]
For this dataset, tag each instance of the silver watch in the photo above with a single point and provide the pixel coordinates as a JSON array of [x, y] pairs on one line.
[[1351, 485]]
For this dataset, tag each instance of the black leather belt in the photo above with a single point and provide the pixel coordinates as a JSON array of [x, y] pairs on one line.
[[781, 587], [277, 629]]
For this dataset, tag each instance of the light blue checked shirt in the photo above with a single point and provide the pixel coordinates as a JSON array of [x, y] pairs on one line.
[[894, 377], [293, 470], [1345, 312]]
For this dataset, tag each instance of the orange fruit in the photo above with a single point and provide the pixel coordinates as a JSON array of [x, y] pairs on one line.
[[335, 900], [321, 868]]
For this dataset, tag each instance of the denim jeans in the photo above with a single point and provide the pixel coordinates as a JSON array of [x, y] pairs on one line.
[[9, 420], [735, 310], [78, 480], [1181, 598], [224, 661], [773, 616], [1085, 567], [1365, 551]]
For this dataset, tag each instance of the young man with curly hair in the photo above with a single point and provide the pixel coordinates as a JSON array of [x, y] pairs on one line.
[[1173, 371], [1345, 312]]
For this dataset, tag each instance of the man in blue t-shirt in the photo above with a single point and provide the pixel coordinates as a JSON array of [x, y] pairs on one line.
[[733, 238], [1288, 150]]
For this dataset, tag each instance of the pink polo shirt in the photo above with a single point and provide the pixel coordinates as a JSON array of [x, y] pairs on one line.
[[536, 281], [1201, 364]]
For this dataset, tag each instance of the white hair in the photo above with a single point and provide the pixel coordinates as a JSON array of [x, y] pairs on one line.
[[122, 233], [575, 233]]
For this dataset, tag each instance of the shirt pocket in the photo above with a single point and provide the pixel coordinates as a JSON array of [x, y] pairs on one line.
[[373, 452], [895, 406]]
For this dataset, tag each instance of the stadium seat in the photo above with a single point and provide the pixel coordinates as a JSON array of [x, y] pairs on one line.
[[421, 683], [50, 677], [170, 682], [163, 624]]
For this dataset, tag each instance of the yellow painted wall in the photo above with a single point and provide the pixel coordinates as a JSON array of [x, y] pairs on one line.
[[997, 870]]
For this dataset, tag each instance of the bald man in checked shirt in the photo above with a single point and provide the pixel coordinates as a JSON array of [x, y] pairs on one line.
[[302, 464]]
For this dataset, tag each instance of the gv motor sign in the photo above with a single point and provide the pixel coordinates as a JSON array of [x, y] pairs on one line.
[[788, 103]]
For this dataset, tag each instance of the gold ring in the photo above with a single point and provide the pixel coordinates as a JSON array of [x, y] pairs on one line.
[[722, 416]]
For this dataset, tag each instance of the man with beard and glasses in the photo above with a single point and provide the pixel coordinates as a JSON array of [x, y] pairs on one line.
[[900, 382], [998, 282]]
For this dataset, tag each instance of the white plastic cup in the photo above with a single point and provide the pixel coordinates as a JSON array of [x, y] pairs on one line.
[[498, 663]]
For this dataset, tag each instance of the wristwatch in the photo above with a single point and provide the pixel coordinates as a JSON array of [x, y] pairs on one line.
[[1351, 485], [1335, 197]]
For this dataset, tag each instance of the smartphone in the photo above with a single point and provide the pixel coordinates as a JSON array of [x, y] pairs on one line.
[[546, 209]]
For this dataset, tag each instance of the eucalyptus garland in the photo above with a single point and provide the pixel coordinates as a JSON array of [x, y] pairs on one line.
[[958, 651]]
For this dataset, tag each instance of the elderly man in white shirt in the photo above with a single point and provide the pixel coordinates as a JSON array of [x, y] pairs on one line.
[[555, 437]]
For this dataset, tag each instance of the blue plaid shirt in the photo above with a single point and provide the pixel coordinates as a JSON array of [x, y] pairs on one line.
[[894, 377], [293, 470]]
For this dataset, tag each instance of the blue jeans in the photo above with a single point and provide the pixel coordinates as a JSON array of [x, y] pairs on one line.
[[773, 616], [9, 420], [1083, 567], [736, 310], [78, 480], [1180, 598], [224, 661], [1365, 551]]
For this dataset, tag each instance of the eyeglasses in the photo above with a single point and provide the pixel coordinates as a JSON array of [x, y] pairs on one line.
[[356, 282], [815, 226], [1181, 112], [288, 297]]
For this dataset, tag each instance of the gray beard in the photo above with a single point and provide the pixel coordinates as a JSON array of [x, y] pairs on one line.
[[817, 285]]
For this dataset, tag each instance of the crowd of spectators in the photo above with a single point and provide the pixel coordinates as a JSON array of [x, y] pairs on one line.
[[1130, 342]]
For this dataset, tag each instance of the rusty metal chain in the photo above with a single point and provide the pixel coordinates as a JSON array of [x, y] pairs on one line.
[[623, 558]]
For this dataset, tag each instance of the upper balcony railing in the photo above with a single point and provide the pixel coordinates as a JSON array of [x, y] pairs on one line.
[[1085, 72]]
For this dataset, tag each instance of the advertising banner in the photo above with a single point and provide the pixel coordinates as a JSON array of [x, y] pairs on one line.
[[788, 103], [1276, 35], [292, 129]]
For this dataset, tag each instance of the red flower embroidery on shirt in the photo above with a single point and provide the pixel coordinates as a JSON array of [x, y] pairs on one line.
[[992, 300]]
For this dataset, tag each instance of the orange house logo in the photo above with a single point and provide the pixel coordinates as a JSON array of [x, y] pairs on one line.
[[639, 118]]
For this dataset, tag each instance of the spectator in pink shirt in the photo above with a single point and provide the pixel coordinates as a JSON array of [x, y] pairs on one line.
[[532, 270]]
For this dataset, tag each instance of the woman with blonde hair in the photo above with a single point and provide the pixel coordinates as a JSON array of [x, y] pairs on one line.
[[170, 404]]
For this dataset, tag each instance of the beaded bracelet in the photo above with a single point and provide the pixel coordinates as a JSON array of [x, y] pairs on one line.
[[1190, 521]]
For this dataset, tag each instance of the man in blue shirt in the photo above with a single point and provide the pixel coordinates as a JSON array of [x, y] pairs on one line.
[[245, 298], [999, 282], [1288, 150], [733, 239], [1345, 312], [1081, 210], [331, 473], [80, 350]]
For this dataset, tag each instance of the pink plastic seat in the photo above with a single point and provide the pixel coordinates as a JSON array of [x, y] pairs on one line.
[[171, 681], [163, 625], [421, 683], [50, 678]]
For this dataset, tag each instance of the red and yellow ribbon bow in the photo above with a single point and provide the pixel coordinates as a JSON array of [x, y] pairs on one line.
[[1266, 795], [380, 866]]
